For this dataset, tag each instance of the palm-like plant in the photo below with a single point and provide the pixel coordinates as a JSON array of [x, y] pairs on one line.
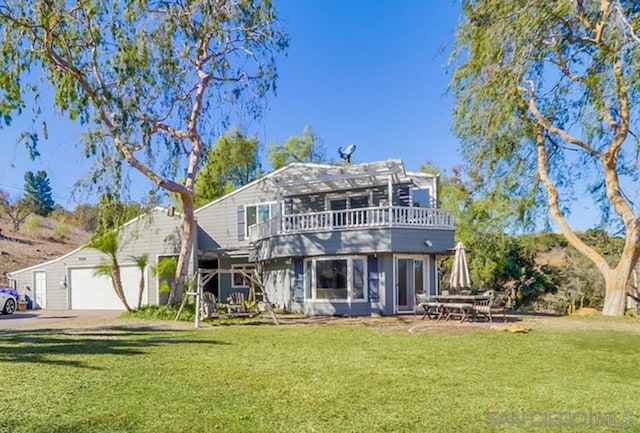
[[141, 262], [108, 244]]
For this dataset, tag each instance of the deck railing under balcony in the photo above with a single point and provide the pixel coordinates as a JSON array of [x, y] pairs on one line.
[[395, 216]]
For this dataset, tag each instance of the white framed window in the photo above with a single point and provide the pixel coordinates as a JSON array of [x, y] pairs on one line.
[[257, 213], [238, 280], [336, 279]]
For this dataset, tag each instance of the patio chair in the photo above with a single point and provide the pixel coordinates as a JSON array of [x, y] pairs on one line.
[[209, 308], [496, 303], [432, 309], [235, 303], [462, 310]]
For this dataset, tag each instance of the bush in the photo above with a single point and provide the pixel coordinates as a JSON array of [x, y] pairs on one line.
[[60, 232], [33, 224], [164, 312]]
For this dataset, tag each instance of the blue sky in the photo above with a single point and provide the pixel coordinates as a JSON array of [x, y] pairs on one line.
[[369, 73]]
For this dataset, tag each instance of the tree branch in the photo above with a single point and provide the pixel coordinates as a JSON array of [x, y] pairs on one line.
[[556, 212], [544, 122]]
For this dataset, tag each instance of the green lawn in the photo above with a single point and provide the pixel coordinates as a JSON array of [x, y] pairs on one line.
[[317, 379]]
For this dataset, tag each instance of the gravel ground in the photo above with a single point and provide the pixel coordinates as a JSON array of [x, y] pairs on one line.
[[38, 320]]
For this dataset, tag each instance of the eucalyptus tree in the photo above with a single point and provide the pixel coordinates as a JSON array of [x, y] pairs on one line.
[[547, 101], [150, 80]]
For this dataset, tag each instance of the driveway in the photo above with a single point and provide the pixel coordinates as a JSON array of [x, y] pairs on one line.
[[57, 319]]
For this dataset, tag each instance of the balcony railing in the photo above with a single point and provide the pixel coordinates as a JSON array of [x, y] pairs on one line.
[[395, 216]]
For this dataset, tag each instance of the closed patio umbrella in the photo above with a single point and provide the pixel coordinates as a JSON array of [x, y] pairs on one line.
[[460, 278]]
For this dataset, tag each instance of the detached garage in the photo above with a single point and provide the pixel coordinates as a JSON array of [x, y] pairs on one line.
[[68, 282], [93, 292]]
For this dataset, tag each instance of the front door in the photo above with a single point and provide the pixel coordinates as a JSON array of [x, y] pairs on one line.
[[40, 289]]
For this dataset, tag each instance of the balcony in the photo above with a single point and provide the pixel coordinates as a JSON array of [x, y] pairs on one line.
[[390, 216]]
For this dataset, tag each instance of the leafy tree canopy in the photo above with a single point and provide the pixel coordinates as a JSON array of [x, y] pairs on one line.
[[151, 81], [233, 162], [38, 192], [547, 103], [16, 208], [305, 148], [497, 260]]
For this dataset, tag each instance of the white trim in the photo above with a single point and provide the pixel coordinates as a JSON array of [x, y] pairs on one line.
[[257, 205], [35, 289], [156, 278], [349, 299], [244, 267], [396, 285]]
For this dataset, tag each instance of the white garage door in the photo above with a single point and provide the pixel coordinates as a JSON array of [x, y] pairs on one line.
[[89, 292]]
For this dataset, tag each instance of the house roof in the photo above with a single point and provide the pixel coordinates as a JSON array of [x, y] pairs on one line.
[[306, 178], [299, 178]]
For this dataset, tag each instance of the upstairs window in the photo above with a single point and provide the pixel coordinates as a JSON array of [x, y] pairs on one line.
[[258, 213], [421, 198]]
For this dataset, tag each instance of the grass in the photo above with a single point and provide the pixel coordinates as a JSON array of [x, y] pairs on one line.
[[316, 379]]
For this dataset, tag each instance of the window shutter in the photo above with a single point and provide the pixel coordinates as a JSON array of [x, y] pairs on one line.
[[373, 281], [298, 280], [241, 223]]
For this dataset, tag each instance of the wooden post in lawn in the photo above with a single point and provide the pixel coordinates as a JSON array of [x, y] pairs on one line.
[[198, 297]]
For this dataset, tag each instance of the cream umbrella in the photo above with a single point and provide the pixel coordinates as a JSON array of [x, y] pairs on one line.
[[460, 278]]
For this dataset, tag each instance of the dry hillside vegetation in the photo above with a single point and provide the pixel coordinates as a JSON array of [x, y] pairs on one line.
[[39, 240]]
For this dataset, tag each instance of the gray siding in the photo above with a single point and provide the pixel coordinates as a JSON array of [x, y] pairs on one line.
[[226, 280], [277, 278], [355, 241], [280, 281], [386, 277], [218, 221], [333, 308], [154, 234], [409, 240]]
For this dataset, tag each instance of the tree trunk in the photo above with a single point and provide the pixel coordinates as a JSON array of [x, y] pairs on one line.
[[117, 284], [615, 299], [177, 285], [140, 291], [617, 281]]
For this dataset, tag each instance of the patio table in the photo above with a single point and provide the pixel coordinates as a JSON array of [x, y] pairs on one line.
[[448, 306]]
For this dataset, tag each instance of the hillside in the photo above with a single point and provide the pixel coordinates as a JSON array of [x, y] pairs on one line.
[[35, 243]]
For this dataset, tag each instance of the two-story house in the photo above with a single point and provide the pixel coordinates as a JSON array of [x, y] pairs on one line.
[[354, 239]]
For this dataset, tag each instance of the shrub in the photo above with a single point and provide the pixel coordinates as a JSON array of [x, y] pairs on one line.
[[164, 312], [60, 232], [33, 224]]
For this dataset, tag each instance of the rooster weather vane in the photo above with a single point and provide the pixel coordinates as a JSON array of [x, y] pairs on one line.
[[347, 152]]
